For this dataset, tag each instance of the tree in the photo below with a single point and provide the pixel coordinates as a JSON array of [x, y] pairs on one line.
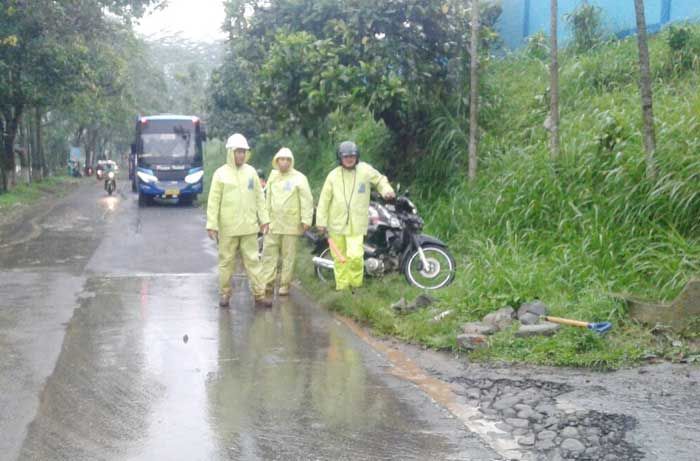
[[474, 92], [43, 47], [554, 82], [298, 61], [645, 89]]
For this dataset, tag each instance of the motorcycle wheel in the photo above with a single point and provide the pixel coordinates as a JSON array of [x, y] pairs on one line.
[[439, 273], [324, 274], [110, 190]]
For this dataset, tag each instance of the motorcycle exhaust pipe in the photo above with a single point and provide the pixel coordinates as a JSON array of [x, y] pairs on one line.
[[323, 262]]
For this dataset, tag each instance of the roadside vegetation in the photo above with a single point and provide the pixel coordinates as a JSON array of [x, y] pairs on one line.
[[574, 233], [26, 194]]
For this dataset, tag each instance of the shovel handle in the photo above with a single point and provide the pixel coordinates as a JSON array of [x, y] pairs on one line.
[[573, 323], [336, 251]]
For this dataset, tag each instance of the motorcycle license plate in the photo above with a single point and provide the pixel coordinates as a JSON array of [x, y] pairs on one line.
[[172, 192]]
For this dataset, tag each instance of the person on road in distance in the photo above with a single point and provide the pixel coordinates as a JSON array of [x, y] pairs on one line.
[[343, 210], [290, 205], [235, 213]]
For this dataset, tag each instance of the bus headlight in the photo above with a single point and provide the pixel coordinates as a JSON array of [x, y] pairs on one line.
[[145, 177], [194, 178]]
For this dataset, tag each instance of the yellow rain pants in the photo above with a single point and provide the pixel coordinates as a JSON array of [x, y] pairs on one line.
[[277, 245], [350, 273], [248, 245]]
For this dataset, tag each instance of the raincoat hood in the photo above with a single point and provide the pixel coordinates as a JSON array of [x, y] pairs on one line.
[[283, 153]]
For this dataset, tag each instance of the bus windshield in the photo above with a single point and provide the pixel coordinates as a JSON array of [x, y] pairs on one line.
[[166, 147]]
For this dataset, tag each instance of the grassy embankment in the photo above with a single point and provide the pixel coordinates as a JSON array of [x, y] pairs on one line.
[[25, 194], [571, 232]]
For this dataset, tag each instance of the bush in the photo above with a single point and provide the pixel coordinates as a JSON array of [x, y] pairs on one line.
[[684, 49], [586, 27], [537, 46], [315, 156]]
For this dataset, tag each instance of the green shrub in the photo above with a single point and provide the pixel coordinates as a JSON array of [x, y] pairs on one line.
[[684, 49], [537, 46], [586, 27]]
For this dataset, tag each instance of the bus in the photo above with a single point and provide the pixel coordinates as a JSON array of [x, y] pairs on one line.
[[166, 160]]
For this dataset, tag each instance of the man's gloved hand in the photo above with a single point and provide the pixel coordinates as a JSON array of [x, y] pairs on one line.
[[214, 235], [389, 196]]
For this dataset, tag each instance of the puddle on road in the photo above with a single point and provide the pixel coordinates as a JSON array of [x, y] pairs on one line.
[[150, 368]]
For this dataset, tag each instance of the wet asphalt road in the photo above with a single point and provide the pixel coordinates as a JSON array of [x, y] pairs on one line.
[[112, 347]]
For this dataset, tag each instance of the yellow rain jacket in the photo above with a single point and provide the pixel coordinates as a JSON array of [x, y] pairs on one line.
[[289, 200], [236, 204], [343, 206]]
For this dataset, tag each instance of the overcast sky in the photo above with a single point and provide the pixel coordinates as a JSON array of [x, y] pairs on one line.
[[198, 20]]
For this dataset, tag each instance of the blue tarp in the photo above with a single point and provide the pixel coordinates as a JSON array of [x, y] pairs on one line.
[[522, 18]]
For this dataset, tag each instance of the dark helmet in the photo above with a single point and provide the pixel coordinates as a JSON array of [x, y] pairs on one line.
[[347, 148]]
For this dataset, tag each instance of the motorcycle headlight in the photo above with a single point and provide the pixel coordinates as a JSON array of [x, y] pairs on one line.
[[145, 177], [110, 175], [194, 177]]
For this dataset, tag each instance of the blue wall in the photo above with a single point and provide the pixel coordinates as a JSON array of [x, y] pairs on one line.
[[522, 18]]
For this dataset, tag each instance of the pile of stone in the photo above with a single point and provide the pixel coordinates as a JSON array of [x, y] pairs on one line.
[[421, 302], [529, 315], [404, 307]]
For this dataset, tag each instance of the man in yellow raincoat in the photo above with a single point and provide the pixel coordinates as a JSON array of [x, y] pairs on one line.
[[290, 205], [343, 210], [236, 211]]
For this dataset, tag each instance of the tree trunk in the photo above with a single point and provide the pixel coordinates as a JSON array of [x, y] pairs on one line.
[[3, 181], [78, 136], [90, 146], [474, 92], [12, 119], [554, 83], [26, 150], [645, 89], [35, 151], [40, 154]]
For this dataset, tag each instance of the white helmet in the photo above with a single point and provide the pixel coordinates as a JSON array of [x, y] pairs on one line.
[[237, 141]]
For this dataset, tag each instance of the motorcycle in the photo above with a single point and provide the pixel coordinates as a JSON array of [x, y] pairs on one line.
[[110, 182], [395, 243]]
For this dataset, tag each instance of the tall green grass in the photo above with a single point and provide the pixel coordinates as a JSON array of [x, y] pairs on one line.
[[576, 231]]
